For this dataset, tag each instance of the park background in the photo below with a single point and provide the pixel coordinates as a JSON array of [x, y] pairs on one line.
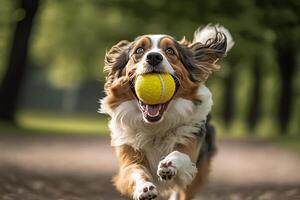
[[52, 52], [256, 91]]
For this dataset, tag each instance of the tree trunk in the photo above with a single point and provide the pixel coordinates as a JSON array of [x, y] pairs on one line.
[[287, 60], [70, 99], [228, 108], [255, 102], [17, 62]]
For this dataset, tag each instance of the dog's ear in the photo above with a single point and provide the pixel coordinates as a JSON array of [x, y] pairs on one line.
[[115, 61], [209, 45]]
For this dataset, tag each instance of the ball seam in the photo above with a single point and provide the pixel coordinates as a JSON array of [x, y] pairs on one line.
[[162, 87]]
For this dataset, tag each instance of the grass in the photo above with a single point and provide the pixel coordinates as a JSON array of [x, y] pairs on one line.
[[289, 142], [238, 131], [37, 122], [47, 122]]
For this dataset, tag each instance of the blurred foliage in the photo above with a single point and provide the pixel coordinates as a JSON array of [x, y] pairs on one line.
[[70, 39], [6, 19]]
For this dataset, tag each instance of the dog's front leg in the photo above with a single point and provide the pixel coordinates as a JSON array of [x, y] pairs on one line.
[[179, 165], [133, 178]]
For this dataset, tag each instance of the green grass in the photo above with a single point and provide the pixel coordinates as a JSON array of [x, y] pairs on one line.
[[266, 131], [47, 122], [288, 142], [37, 122]]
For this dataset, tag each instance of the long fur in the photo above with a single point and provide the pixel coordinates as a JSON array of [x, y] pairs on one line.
[[209, 32], [181, 120], [171, 149], [209, 45], [128, 127]]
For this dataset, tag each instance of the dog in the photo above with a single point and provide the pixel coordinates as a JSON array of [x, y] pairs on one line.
[[167, 156]]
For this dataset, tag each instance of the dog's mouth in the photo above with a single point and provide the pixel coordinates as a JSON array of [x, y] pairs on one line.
[[153, 113]]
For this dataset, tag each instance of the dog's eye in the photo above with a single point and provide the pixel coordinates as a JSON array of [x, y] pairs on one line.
[[139, 50], [170, 51]]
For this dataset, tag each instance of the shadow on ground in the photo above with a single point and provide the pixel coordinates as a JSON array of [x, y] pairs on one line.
[[77, 168]]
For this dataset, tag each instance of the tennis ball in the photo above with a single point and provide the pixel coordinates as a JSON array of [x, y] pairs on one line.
[[154, 88]]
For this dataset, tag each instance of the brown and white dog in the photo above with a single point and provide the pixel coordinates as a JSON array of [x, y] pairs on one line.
[[164, 151]]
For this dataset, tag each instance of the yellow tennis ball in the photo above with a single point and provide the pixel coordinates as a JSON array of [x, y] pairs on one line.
[[154, 88]]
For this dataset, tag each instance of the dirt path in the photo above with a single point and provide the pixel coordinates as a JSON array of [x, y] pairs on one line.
[[80, 168]]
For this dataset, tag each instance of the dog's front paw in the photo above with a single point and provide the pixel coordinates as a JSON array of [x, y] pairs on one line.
[[145, 191], [166, 170], [178, 165]]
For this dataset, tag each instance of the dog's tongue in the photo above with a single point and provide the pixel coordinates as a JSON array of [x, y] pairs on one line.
[[153, 110]]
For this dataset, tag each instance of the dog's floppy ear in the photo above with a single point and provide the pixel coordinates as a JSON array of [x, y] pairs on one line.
[[209, 45], [115, 61]]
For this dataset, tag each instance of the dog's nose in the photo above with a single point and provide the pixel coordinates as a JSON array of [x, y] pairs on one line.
[[154, 58]]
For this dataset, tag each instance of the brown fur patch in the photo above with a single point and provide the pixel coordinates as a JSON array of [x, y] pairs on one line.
[[189, 149], [115, 60], [199, 180], [130, 162], [120, 70], [203, 167], [188, 88], [142, 41], [118, 92]]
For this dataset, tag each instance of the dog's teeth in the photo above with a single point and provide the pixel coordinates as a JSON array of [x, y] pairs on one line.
[[153, 111]]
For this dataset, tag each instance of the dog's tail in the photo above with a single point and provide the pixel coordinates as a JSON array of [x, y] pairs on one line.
[[210, 32]]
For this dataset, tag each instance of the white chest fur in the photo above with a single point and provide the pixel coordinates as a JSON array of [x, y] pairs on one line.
[[128, 127], [157, 140]]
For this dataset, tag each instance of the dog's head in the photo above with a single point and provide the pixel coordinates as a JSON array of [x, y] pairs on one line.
[[190, 63]]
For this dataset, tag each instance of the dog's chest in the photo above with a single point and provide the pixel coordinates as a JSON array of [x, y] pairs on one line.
[[156, 150]]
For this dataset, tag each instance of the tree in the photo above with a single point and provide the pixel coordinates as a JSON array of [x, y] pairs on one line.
[[255, 98], [286, 28], [229, 103], [286, 56], [17, 61]]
